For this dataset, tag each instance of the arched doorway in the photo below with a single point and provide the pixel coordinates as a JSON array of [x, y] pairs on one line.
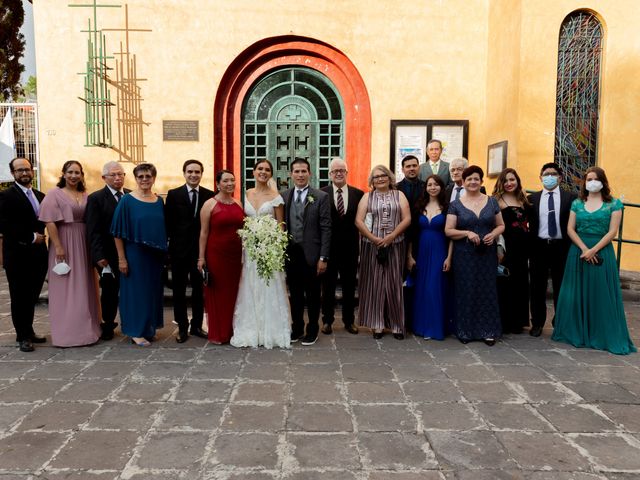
[[320, 63], [289, 113]]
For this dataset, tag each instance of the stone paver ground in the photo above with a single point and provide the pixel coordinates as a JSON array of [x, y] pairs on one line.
[[347, 408]]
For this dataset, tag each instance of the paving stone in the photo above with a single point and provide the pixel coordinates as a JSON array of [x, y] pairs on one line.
[[362, 356], [124, 416], [223, 371], [419, 358], [548, 358], [502, 356], [260, 392], [396, 451], [453, 357], [520, 373], [191, 416], [449, 416], [323, 475], [126, 354], [168, 370], [567, 476], [181, 355], [439, 391], [384, 418], [603, 392], [75, 475], [41, 353], [469, 450], [202, 390], [173, 450], [58, 416], [367, 373], [146, 391], [109, 370], [419, 373], [413, 475], [215, 354], [55, 370], [16, 369], [260, 356], [585, 373], [611, 451], [316, 372], [255, 418], [31, 390], [542, 451], [312, 450], [595, 357], [494, 392], [11, 413], [245, 450], [512, 417], [28, 451], [87, 390], [470, 373], [88, 353], [300, 356], [626, 416], [318, 418], [546, 392], [375, 392], [576, 418], [277, 372], [253, 476], [115, 449], [315, 392]]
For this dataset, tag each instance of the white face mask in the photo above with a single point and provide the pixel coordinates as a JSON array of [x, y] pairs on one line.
[[594, 186]]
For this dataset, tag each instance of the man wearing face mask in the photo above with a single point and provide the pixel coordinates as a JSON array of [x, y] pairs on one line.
[[550, 242]]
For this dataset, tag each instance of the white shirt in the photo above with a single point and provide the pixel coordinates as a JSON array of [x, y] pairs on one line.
[[543, 213], [454, 190], [114, 191], [345, 195], [304, 191]]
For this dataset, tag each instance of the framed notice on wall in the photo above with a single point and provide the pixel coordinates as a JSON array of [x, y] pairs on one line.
[[410, 137], [496, 158]]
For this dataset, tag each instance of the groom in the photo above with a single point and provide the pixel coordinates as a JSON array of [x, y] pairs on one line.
[[308, 220]]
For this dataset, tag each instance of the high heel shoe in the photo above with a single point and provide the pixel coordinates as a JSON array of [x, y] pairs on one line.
[[490, 341], [140, 342], [378, 335], [398, 336]]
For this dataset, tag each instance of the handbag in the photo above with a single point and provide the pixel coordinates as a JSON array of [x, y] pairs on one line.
[[61, 268]]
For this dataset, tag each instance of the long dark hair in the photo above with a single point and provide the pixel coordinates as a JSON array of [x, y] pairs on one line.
[[498, 189], [63, 182], [423, 199], [606, 191]]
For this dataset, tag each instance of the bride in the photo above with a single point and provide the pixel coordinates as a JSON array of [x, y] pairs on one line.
[[262, 315]]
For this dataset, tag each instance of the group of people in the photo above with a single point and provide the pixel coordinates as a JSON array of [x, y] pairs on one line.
[[433, 255]]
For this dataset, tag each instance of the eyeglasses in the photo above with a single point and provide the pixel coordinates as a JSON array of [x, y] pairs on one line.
[[339, 171], [457, 169], [22, 170], [144, 176], [380, 177], [115, 175]]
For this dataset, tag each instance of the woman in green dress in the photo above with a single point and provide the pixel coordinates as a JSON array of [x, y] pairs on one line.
[[590, 312]]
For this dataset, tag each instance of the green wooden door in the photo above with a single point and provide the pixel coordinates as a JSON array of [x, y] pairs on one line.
[[293, 112]]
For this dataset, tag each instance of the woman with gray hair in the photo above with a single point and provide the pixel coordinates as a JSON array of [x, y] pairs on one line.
[[383, 216]]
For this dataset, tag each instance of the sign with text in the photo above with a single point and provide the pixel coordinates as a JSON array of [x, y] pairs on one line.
[[180, 130]]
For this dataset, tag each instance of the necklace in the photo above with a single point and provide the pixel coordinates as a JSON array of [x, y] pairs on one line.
[[226, 201]]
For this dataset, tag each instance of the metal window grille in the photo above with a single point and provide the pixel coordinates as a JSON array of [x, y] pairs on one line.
[[578, 94], [25, 131]]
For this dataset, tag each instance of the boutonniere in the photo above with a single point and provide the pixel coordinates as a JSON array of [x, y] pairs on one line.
[[310, 198]]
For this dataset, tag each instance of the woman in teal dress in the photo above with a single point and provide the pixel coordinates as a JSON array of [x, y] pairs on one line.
[[141, 240], [590, 312]]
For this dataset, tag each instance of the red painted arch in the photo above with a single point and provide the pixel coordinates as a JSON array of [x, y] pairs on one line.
[[288, 51]]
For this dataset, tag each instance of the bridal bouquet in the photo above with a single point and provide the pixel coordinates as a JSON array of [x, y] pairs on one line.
[[265, 243]]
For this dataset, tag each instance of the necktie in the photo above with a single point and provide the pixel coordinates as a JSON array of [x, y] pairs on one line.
[[340, 205], [299, 197], [194, 201], [458, 189], [32, 200], [118, 195], [553, 226]]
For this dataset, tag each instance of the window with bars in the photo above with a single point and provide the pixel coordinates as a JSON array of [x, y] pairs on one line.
[[578, 94]]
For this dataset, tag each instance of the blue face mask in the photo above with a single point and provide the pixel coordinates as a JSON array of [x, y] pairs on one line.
[[550, 181]]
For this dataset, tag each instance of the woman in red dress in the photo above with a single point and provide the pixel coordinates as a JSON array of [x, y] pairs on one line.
[[221, 252]]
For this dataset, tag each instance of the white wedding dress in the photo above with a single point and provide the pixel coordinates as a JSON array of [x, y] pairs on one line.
[[262, 316]]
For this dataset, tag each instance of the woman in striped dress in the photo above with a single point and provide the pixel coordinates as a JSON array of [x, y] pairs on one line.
[[383, 216]]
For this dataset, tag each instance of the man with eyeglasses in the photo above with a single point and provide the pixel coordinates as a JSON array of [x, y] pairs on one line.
[[98, 216], [24, 251], [182, 217], [343, 259]]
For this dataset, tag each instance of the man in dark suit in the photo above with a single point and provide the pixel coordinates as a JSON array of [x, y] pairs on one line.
[[411, 185], [308, 220], [434, 163], [455, 189], [24, 250], [98, 216], [550, 242], [182, 215], [343, 257]]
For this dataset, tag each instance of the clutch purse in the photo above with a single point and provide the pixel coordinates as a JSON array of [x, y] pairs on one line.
[[205, 276], [61, 268]]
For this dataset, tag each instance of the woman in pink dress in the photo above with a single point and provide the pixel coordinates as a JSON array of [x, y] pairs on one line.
[[73, 306], [221, 252]]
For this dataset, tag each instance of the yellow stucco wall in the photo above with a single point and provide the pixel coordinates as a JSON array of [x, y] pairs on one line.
[[492, 62]]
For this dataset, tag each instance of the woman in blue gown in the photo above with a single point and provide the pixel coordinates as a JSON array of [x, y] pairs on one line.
[[429, 257], [590, 312], [474, 223], [141, 240]]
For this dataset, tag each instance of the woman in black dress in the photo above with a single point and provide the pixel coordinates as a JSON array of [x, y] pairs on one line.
[[513, 291], [474, 223]]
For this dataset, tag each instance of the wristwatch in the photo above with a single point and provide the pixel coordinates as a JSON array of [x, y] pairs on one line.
[[324, 259]]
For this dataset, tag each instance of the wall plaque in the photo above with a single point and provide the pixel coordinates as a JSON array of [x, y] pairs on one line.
[[180, 130]]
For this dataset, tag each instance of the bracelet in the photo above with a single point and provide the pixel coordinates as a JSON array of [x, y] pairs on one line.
[[201, 259]]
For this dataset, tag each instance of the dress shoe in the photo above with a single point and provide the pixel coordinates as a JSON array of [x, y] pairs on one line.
[[326, 329], [198, 332], [309, 340], [535, 331], [182, 337], [107, 332], [26, 346], [351, 328], [296, 336], [490, 341], [38, 339], [463, 341], [398, 336], [378, 335]]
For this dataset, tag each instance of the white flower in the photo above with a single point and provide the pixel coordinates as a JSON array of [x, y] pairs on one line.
[[310, 199], [265, 243]]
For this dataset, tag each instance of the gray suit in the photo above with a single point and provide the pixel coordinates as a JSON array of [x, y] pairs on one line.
[[303, 256], [443, 171]]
